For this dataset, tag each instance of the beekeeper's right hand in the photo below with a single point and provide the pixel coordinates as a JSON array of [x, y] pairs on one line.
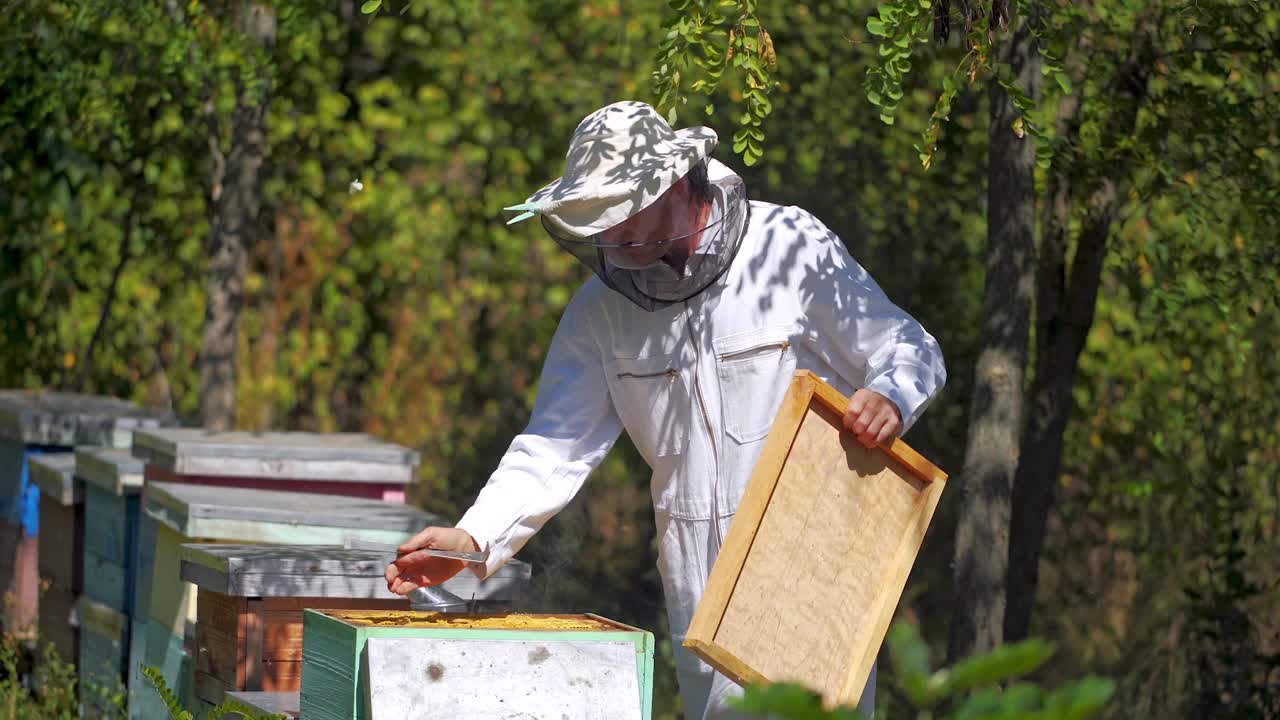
[[412, 569]]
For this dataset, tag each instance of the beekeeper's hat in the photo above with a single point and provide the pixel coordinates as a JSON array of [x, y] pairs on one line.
[[621, 158]]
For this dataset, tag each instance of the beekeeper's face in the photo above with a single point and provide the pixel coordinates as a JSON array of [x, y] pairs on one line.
[[665, 231]]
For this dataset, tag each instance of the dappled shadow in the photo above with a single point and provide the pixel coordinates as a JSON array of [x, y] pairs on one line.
[[797, 253], [642, 152]]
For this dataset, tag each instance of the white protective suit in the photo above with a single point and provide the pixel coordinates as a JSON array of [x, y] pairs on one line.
[[697, 385]]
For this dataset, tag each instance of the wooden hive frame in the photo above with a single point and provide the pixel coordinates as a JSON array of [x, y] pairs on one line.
[[794, 523]]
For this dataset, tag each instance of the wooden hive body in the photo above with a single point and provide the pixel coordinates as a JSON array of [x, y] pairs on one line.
[[181, 513], [104, 650], [112, 501], [112, 480], [374, 665], [818, 553], [61, 544], [251, 597]]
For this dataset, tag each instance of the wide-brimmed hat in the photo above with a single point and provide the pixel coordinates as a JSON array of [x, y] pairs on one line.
[[621, 158]]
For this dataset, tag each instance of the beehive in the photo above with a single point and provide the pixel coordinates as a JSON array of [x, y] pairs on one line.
[[186, 513], [35, 422], [329, 464], [249, 608], [373, 665], [61, 546]]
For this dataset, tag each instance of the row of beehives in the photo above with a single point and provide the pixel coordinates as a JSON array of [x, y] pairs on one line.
[[199, 553]]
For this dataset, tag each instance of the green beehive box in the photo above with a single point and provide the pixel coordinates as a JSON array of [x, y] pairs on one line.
[[374, 665]]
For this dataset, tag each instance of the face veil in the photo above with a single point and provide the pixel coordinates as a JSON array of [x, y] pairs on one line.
[[657, 272]]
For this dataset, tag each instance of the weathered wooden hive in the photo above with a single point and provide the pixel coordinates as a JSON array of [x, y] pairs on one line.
[[251, 597], [37, 422], [321, 465], [61, 546], [183, 513], [112, 497]]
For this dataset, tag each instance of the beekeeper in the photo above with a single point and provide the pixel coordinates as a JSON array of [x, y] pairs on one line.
[[703, 306]]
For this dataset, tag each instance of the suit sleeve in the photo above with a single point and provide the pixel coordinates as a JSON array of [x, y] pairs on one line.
[[867, 339], [572, 429]]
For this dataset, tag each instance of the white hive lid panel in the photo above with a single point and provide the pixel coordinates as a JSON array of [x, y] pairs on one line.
[[344, 457], [198, 511]]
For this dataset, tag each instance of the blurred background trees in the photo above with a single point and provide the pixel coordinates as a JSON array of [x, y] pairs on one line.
[[178, 215]]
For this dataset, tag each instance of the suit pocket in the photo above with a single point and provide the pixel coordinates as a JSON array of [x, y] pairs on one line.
[[651, 398], [755, 369]]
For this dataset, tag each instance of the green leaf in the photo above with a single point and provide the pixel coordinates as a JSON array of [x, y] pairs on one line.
[[370, 6], [873, 97], [1006, 662], [875, 26], [1064, 82]]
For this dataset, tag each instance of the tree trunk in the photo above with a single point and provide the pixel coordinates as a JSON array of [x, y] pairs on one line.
[[236, 201], [995, 416], [1064, 316]]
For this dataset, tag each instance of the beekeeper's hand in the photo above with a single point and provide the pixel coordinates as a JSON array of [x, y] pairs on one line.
[[413, 569], [872, 417]]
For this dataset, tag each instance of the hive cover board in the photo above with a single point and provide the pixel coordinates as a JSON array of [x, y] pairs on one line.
[[842, 524], [38, 417], [347, 457], [201, 511]]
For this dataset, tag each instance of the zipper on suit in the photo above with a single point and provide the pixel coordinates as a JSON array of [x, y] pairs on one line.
[[782, 345], [711, 435], [668, 373]]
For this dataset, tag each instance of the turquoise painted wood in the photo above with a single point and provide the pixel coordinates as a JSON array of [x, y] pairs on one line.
[[104, 644], [107, 522], [335, 663], [168, 653], [138, 686], [107, 583], [140, 619]]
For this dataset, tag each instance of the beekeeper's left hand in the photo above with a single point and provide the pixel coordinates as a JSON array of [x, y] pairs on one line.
[[872, 418]]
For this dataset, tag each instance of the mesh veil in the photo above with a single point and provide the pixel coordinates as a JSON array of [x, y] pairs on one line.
[[661, 285]]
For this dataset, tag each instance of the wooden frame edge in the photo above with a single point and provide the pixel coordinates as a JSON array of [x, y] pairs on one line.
[[918, 464], [725, 662], [764, 478], [856, 679]]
